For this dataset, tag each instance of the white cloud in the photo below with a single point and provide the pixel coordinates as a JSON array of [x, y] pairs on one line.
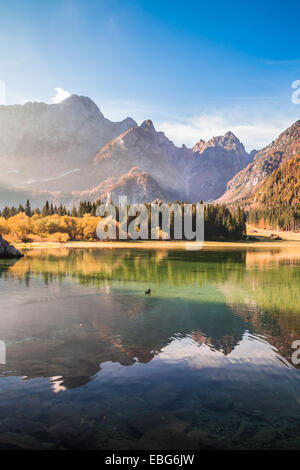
[[253, 133], [60, 95]]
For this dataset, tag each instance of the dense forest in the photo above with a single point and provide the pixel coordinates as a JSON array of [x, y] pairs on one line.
[[278, 218], [59, 224], [278, 199]]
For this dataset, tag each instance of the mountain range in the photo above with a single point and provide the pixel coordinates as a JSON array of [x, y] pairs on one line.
[[69, 151]]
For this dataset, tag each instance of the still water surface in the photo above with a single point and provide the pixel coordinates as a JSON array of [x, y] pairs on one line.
[[204, 362]]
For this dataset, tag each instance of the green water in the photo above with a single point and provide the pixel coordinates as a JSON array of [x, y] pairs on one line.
[[204, 362]]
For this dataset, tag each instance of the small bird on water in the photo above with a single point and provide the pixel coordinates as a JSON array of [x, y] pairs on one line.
[[148, 292]]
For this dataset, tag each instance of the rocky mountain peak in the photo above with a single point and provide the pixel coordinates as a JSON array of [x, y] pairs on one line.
[[231, 135], [81, 104], [148, 125], [217, 161], [199, 146], [129, 122], [228, 141], [75, 99]]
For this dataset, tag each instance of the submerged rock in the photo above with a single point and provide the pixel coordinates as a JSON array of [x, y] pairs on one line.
[[7, 250]]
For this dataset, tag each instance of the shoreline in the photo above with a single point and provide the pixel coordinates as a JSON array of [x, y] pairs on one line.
[[262, 240], [141, 244]]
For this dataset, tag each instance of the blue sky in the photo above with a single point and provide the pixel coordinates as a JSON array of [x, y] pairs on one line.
[[195, 68]]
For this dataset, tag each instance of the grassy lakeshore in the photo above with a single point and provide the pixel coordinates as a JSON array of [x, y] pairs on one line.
[[288, 239], [264, 234]]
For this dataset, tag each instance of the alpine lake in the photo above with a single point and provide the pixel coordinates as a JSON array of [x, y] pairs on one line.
[[204, 362]]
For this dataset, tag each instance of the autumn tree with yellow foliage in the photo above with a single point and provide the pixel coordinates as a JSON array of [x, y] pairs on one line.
[[55, 228]]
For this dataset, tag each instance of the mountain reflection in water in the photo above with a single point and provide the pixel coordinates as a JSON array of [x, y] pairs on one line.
[[211, 348]]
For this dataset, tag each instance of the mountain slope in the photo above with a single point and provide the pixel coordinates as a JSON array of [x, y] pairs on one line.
[[40, 142], [243, 184], [137, 185], [152, 152], [281, 188], [276, 202]]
